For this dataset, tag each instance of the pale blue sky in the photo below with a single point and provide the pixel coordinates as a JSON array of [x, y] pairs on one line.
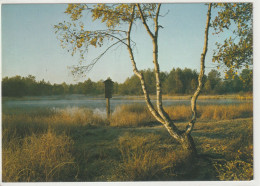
[[30, 46]]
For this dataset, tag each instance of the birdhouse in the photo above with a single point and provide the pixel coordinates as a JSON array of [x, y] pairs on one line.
[[108, 88]]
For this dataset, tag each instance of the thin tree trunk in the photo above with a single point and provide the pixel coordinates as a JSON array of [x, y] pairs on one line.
[[188, 142], [139, 74], [183, 137], [166, 121], [200, 78]]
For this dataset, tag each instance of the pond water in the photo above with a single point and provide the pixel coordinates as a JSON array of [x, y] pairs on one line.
[[100, 103]]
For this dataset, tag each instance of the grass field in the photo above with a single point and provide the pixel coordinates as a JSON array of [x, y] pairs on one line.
[[242, 96], [77, 145]]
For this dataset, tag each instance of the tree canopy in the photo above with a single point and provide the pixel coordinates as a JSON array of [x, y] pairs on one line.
[[76, 36], [236, 52]]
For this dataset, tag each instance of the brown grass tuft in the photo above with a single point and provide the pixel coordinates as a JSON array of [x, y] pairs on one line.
[[131, 115], [39, 158], [142, 159]]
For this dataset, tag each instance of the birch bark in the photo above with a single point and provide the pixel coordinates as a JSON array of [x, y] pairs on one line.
[[183, 137]]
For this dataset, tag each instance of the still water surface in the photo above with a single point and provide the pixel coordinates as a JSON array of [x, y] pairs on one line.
[[100, 103]]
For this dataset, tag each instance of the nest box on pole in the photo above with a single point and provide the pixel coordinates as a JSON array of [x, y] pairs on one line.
[[108, 94], [108, 88]]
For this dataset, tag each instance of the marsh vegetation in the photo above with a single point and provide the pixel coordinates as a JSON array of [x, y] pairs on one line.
[[78, 144]]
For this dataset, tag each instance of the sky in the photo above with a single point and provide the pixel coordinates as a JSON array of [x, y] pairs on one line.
[[30, 45]]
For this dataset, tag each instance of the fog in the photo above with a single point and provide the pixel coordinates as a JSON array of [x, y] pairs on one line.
[[98, 104]]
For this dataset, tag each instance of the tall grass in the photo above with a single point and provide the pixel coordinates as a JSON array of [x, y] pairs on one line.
[[142, 159], [131, 115], [221, 112], [45, 157], [78, 145], [38, 144], [25, 123], [230, 143], [139, 115]]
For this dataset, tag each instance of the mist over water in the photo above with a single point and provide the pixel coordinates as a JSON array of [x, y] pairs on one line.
[[98, 104]]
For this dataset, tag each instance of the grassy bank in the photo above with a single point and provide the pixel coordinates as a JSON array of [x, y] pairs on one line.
[[139, 115], [78, 145], [244, 96]]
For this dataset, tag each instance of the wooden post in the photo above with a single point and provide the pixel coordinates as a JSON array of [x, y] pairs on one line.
[[108, 94], [108, 108]]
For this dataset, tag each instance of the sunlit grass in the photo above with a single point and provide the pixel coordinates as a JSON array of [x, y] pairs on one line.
[[45, 157], [242, 96], [143, 158], [76, 144], [27, 122], [222, 112], [131, 115], [139, 115]]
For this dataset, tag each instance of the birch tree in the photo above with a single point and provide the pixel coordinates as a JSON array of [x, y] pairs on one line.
[[236, 51], [119, 20]]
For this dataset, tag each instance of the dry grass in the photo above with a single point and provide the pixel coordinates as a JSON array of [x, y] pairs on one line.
[[77, 116], [242, 96], [179, 113], [131, 115], [230, 143], [222, 112], [26, 123], [139, 115], [142, 159], [45, 157], [77, 145]]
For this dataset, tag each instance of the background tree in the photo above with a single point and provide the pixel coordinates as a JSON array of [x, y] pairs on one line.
[[212, 81], [15, 86], [247, 78], [237, 83]]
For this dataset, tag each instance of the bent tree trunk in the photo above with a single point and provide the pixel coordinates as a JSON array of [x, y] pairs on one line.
[[183, 137], [188, 144]]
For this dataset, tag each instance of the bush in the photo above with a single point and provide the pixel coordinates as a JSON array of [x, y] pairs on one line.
[[45, 157]]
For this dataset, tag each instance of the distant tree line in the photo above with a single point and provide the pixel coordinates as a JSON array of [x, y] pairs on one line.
[[177, 81]]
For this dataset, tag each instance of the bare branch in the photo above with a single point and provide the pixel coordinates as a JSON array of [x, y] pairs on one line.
[[86, 68]]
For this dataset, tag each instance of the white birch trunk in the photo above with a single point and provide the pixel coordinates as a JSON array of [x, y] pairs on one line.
[[183, 137]]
